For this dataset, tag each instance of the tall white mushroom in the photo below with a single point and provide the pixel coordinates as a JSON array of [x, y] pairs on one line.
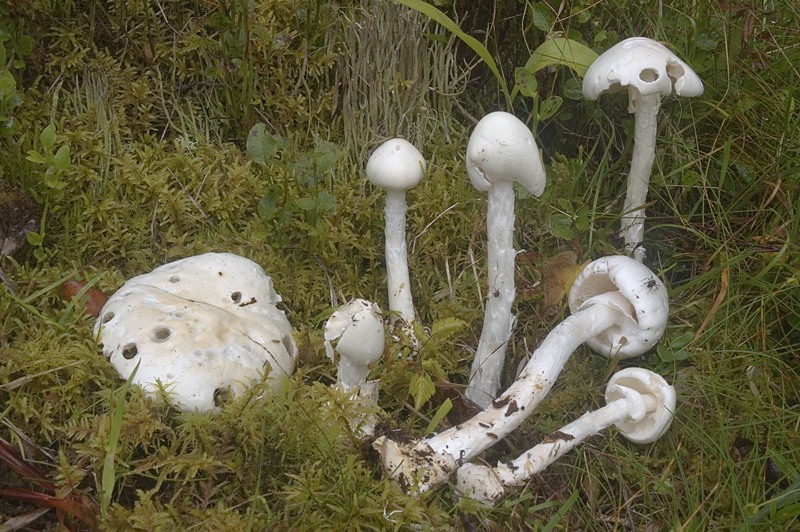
[[202, 326], [639, 402], [501, 151], [622, 307], [648, 71], [397, 166]]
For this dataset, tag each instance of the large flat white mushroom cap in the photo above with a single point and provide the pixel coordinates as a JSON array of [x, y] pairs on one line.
[[200, 326]]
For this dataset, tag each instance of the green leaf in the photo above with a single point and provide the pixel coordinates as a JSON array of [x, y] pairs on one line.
[[24, 45], [437, 16], [445, 328], [561, 51], [671, 355], [682, 341], [7, 82], [543, 16], [582, 219], [548, 107], [262, 146], [307, 204], [525, 83], [561, 227], [421, 388], [61, 160], [325, 156], [268, 206], [572, 89], [34, 239], [35, 157], [440, 414], [48, 136], [327, 203]]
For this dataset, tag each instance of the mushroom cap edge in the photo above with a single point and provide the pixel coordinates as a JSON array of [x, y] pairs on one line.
[[621, 66]]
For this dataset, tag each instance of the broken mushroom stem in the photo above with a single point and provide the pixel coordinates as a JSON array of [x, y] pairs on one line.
[[638, 401], [610, 303]]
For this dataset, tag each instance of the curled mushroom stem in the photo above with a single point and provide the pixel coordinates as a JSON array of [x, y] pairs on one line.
[[487, 365], [467, 440], [399, 284], [645, 109]]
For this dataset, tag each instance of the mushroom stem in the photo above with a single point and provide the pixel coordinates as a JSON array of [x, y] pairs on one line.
[[398, 281], [645, 109], [490, 355], [639, 402], [471, 438], [467, 440], [351, 374], [618, 307]]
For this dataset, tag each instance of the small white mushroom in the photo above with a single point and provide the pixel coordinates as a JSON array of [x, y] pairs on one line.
[[648, 71], [358, 325], [501, 151], [203, 327], [397, 166], [639, 402], [619, 311]]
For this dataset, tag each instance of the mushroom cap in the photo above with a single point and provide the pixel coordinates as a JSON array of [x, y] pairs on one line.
[[642, 63], [654, 399], [396, 165], [358, 325], [645, 304], [502, 148], [198, 326]]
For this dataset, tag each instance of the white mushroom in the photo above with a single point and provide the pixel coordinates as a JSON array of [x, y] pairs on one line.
[[358, 325], [202, 327], [648, 71], [639, 402], [618, 311], [397, 166], [501, 151], [645, 305]]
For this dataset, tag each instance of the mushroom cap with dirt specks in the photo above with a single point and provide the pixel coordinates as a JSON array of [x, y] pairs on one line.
[[646, 314], [202, 326]]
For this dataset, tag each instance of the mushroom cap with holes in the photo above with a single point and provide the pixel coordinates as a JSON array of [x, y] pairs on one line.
[[645, 304], [396, 165], [644, 426], [202, 327], [644, 64], [502, 148]]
